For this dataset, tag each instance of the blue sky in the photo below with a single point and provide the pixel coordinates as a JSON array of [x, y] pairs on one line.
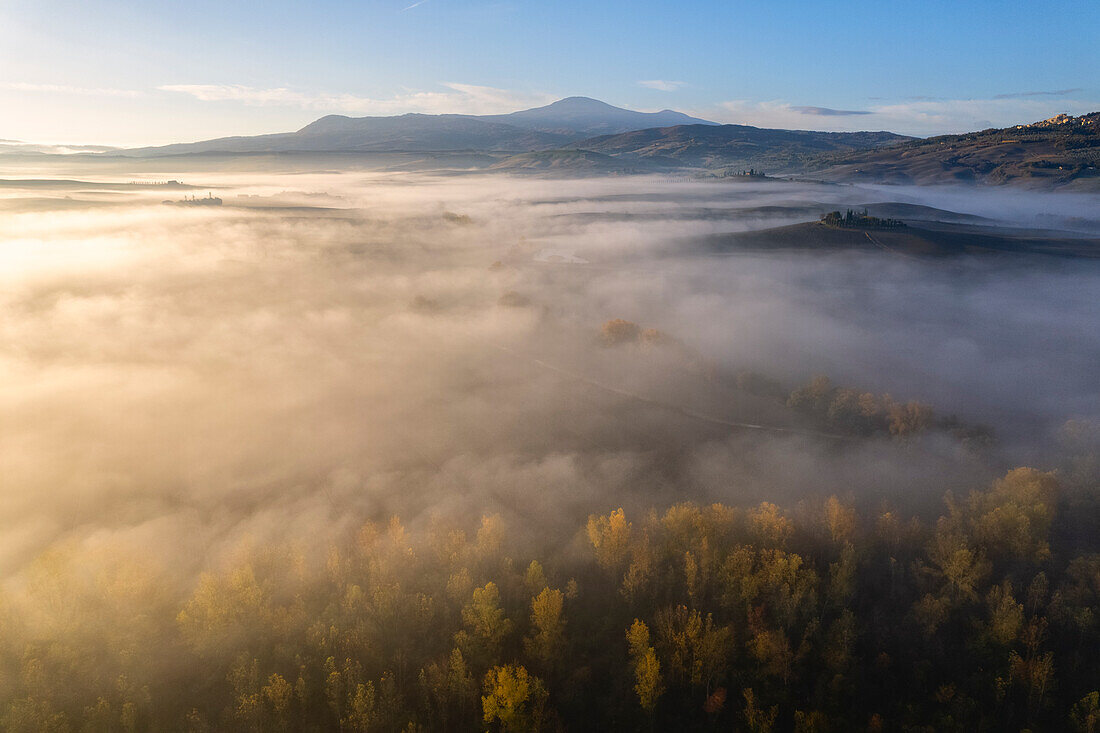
[[136, 72]]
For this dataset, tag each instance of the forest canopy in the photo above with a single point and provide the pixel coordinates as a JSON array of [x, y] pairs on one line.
[[815, 617]]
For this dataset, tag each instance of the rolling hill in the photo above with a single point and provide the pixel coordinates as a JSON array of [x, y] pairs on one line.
[[925, 239], [726, 146], [1057, 152], [572, 161]]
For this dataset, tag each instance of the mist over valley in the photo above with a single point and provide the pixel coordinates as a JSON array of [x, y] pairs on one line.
[[354, 379], [325, 349]]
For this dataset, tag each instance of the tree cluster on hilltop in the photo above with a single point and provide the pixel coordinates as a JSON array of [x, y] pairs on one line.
[[857, 220]]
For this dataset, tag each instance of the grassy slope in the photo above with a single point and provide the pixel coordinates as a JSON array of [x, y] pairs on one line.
[[917, 241], [1057, 152]]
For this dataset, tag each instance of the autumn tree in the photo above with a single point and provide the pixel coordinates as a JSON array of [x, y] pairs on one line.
[[648, 684], [486, 626], [547, 639], [610, 538], [619, 331], [513, 698]]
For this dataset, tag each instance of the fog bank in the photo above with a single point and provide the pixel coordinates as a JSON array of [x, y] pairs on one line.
[[327, 348]]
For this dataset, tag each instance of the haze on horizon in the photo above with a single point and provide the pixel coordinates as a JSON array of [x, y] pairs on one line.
[[121, 74]]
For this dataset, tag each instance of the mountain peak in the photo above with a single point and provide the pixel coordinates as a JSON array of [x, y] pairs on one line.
[[592, 117], [580, 102]]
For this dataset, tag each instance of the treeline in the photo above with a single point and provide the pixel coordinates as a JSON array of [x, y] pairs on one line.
[[817, 618], [855, 412], [843, 410], [858, 220]]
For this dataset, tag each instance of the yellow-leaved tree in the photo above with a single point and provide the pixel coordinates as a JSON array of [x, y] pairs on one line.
[[647, 669], [513, 698], [486, 626], [548, 637], [610, 537]]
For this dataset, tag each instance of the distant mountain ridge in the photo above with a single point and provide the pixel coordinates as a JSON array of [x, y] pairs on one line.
[[540, 128], [583, 136]]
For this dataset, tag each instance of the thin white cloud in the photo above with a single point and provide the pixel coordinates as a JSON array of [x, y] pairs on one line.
[[65, 89], [461, 99], [1053, 93], [921, 117], [417, 4], [661, 85], [829, 111], [964, 115]]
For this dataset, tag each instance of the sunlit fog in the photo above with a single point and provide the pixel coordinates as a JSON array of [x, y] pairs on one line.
[[287, 446]]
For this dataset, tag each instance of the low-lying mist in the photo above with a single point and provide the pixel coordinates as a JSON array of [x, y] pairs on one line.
[[329, 348], [375, 450]]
